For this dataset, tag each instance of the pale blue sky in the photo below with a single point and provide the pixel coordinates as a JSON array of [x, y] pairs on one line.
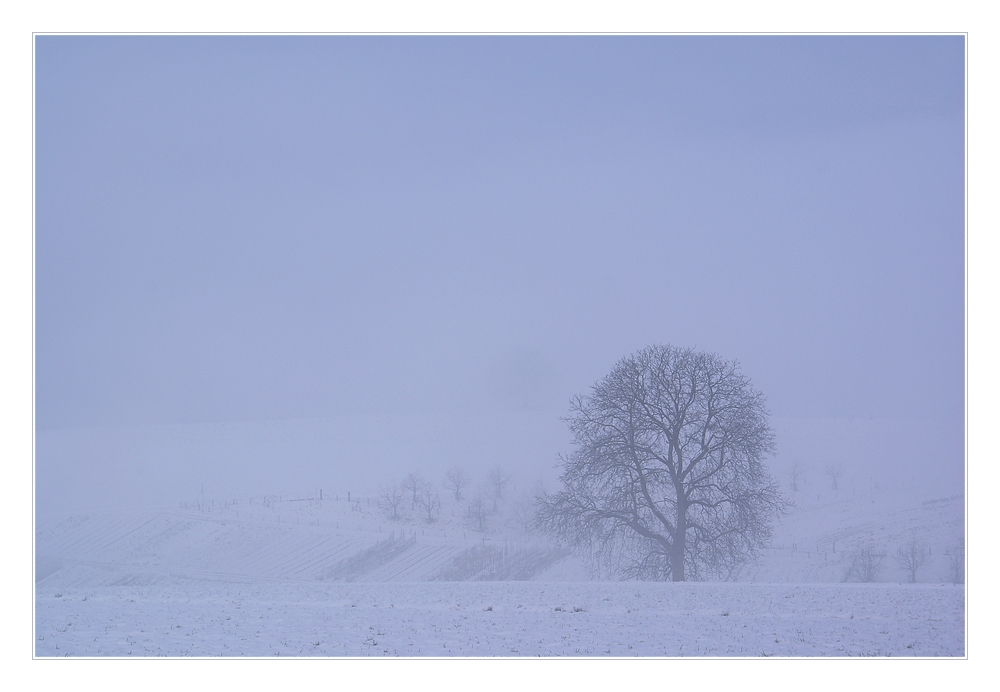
[[257, 228]]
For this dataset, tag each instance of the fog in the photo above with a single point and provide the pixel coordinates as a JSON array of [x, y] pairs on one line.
[[279, 264]]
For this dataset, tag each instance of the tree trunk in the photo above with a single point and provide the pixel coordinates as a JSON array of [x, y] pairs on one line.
[[680, 535], [677, 552], [677, 560]]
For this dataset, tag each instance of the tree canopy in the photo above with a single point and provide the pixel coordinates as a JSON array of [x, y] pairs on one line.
[[666, 480]]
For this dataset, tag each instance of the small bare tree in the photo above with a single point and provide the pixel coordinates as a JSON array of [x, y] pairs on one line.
[[392, 495], [796, 475], [496, 484], [430, 502], [912, 557], [456, 480], [477, 512], [525, 510], [866, 562], [956, 562], [413, 484], [835, 471]]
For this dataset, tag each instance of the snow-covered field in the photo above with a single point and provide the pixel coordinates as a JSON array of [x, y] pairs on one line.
[[201, 617], [301, 577]]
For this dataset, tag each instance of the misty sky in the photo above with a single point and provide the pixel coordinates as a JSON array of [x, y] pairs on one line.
[[261, 228]]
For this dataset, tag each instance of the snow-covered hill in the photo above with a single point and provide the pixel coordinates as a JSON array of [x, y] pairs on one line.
[[305, 538], [817, 540], [302, 576]]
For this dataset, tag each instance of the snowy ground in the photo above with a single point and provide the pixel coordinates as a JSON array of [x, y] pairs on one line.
[[295, 576], [201, 617]]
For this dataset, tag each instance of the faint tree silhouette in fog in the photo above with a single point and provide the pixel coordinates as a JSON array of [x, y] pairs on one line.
[[524, 511], [429, 502], [835, 471], [412, 484], [392, 495], [456, 480], [478, 512], [865, 563], [496, 485], [912, 557], [956, 562], [666, 480], [796, 475]]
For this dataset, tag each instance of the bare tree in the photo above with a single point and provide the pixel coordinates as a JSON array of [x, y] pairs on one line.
[[912, 557], [667, 479], [456, 480], [477, 512], [835, 471], [956, 562], [865, 563], [796, 475], [429, 502], [496, 484], [392, 495], [524, 512], [412, 484]]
